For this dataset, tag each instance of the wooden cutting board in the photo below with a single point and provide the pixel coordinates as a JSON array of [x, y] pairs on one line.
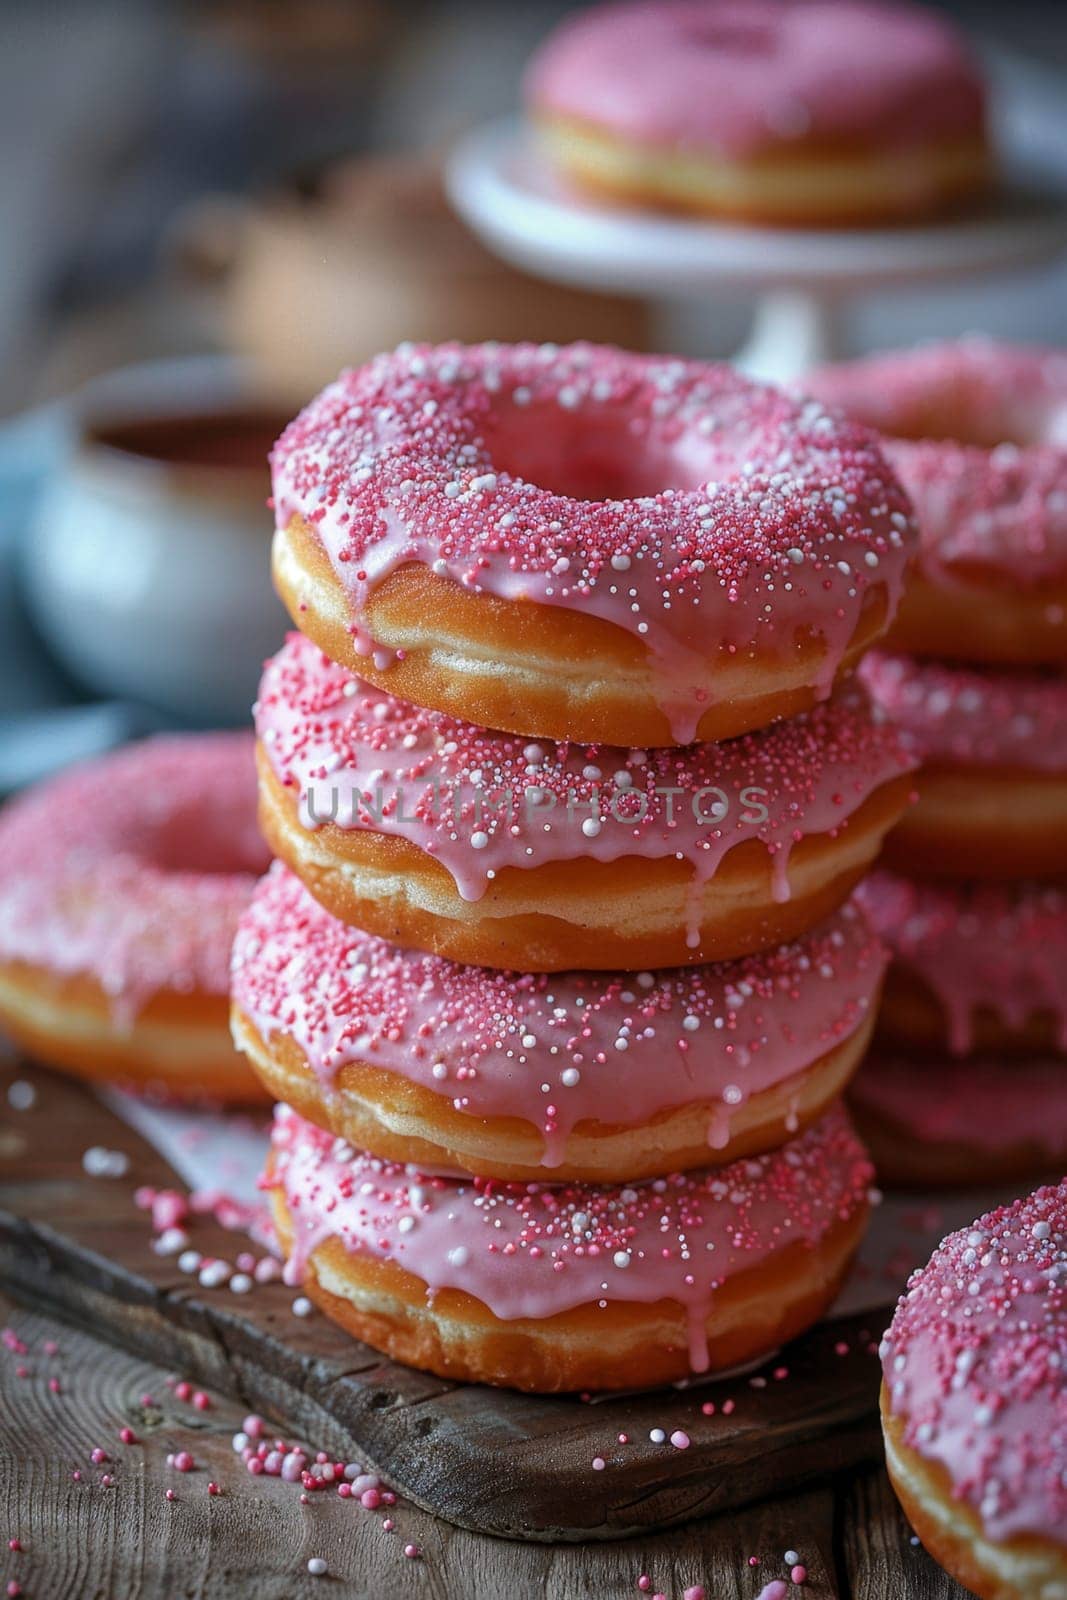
[[519, 1466]]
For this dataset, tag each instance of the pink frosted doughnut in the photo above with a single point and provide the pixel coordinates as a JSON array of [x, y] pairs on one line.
[[494, 849], [942, 1122], [993, 745], [121, 884], [973, 965], [974, 1403], [782, 111], [581, 543], [575, 1287], [977, 432], [595, 1077]]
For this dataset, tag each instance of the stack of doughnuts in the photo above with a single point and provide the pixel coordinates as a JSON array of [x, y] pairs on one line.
[[559, 977], [968, 1078]]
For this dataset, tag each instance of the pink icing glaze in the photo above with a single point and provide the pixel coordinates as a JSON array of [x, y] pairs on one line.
[[974, 1364], [985, 460], [959, 716], [982, 945], [680, 501], [740, 77], [367, 760], [554, 1049], [134, 868], [531, 1250], [992, 1103]]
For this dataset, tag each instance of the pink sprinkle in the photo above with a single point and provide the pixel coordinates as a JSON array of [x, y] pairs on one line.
[[412, 1552], [728, 1407], [76, 1475], [598, 1463], [644, 1582], [14, 1589], [799, 1575], [183, 1390], [624, 1438], [371, 1499], [53, 1384], [708, 1408], [183, 1461], [345, 1491], [127, 1436], [680, 1441], [254, 1426], [777, 1589], [694, 1592], [170, 1495], [97, 1456], [106, 1481], [213, 1488], [201, 1401], [255, 1466], [50, 1347], [753, 1561], [14, 1544], [388, 1525]]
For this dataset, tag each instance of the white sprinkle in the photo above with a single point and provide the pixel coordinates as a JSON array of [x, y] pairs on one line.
[[21, 1095], [459, 1255], [302, 1306], [317, 1567], [621, 1258], [101, 1163], [240, 1283], [170, 1241]]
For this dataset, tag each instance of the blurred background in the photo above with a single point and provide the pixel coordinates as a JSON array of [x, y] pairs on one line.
[[244, 197]]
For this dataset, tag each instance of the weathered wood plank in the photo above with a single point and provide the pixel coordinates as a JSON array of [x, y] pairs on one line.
[[878, 1555], [491, 1460], [86, 1542]]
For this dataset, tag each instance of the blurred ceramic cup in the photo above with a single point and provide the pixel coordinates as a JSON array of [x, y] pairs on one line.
[[147, 571], [368, 255]]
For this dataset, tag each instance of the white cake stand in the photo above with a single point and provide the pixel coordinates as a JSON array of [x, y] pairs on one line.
[[507, 193]]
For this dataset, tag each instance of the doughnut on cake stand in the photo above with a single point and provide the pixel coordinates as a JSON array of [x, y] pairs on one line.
[[505, 190]]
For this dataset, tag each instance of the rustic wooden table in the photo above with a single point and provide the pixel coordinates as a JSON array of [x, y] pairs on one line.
[[95, 1324]]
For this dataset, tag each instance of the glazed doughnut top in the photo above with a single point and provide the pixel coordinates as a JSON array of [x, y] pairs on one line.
[[480, 802], [740, 77], [962, 716], [977, 946], [533, 1250], [977, 432], [134, 868], [974, 1363], [683, 503], [554, 1049]]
